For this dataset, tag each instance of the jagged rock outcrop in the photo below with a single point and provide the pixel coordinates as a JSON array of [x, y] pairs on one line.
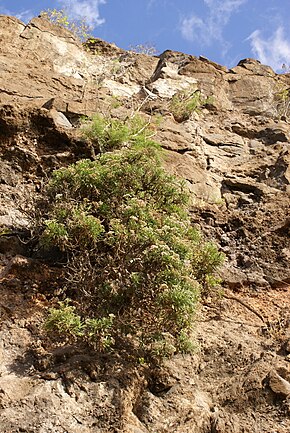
[[233, 154]]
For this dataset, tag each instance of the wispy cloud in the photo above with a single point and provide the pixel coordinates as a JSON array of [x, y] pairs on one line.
[[26, 15], [84, 9], [209, 28], [274, 51], [194, 28], [151, 3]]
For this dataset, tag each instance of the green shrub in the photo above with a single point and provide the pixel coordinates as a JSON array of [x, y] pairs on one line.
[[186, 102], [108, 133], [79, 28], [66, 322], [133, 255]]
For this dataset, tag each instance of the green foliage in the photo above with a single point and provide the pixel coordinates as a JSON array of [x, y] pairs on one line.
[[107, 133], [135, 264], [185, 344], [115, 102], [186, 102], [72, 223], [65, 321], [5, 230], [79, 28]]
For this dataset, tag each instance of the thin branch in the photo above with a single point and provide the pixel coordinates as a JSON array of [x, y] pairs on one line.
[[245, 304]]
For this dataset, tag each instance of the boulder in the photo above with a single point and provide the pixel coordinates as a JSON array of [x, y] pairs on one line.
[[279, 385]]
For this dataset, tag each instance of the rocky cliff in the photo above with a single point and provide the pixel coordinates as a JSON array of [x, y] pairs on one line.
[[234, 156]]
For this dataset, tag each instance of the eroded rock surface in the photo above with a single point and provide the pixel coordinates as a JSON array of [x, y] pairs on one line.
[[234, 156]]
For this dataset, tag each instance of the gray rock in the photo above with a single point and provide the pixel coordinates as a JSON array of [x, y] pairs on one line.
[[279, 385], [60, 120]]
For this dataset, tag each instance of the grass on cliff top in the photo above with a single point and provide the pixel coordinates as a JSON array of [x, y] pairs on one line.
[[136, 267]]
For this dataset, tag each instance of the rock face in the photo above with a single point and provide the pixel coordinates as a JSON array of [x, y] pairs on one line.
[[234, 156]]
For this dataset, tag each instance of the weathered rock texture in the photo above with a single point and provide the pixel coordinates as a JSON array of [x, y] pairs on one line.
[[233, 154]]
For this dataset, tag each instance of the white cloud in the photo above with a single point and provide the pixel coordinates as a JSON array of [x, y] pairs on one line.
[[273, 51], [84, 9], [153, 2], [210, 28], [193, 28], [26, 15], [224, 6]]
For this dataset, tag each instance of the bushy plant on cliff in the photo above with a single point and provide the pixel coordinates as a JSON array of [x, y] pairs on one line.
[[136, 267], [107, 133], [79, 28], [186, 102]]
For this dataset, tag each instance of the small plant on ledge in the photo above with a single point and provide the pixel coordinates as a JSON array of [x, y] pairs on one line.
[[185, 102]]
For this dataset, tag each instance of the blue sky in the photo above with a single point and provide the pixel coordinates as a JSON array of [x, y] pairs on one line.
[[222, 30]]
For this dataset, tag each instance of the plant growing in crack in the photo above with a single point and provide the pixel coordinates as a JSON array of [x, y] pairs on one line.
[[185, 102]]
